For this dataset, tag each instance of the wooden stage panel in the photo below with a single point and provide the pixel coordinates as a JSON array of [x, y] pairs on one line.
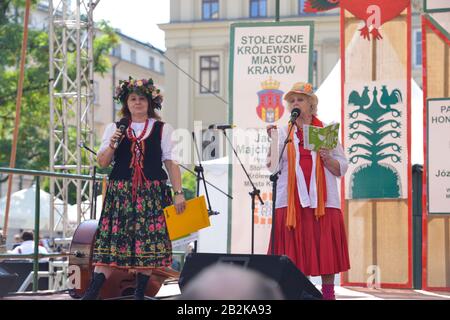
[[438, 264], [377, 234]]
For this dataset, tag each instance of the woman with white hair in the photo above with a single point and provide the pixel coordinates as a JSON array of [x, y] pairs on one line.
[[309, 226]]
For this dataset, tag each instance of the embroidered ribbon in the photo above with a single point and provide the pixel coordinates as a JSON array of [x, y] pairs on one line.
[[137, 160], [292, 181]]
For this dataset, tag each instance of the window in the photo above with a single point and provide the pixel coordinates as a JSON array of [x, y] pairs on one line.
[[258, 8], [209, 74], [301, 6], [117, 51], [161, 67], [417, 54], [151, 63], [210, 9], [133, 55]]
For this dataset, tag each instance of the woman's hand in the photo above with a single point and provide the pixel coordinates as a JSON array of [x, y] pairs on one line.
[[329, 162], [269, 130], [115, 137], [175, 178], [180, 203], [325, 155], [105, 157]]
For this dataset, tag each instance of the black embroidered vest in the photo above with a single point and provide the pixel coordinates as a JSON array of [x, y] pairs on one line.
[[153, 167]]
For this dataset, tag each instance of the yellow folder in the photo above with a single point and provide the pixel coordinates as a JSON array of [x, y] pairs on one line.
[[193, 218]]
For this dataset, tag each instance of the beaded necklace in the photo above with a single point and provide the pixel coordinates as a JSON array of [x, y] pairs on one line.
[[137, 160], [131, 135]]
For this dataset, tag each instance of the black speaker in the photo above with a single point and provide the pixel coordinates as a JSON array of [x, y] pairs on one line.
[[293, 283], [7, 281], [23, 268]]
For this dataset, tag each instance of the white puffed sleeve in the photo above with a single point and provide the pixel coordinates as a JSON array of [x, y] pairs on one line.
[[167, 143], [338, 154], [276, 146], [107, 134]]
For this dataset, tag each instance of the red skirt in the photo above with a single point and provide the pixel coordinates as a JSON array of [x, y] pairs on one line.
[[316, 247]]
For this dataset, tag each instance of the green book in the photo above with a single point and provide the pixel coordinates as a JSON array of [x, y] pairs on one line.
[[317, 137]]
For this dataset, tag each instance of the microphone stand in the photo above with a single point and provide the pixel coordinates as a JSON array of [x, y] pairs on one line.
[[207, 182], [274, 178], [201, 176], [255, 193], [94, 184], [204, 180]]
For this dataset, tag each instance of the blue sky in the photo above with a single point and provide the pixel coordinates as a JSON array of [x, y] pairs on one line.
[[136, 18]]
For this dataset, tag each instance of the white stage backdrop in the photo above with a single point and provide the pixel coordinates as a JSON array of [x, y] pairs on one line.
[[266, 59], [438, 155]]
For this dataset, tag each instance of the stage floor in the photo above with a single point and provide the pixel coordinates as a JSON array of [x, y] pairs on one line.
[[172, 290]]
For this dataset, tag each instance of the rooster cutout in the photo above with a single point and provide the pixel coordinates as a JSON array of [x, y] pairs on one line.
[[374, 13]]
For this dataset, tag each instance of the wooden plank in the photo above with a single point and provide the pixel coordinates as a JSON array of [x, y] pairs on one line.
[[438, 264]]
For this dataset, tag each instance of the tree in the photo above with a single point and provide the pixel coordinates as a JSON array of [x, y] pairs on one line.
[[33, 142], [375, 123], [189, 182]]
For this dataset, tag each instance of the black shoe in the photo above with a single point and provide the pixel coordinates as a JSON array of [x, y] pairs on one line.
[[141, 285], [94, 287]]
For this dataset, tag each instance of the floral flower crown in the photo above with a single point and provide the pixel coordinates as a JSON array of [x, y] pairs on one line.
[[307, 87], [142, 87], [302, 88]]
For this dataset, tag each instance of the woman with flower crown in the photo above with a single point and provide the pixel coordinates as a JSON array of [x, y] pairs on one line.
[[132, 233], [309, 226]]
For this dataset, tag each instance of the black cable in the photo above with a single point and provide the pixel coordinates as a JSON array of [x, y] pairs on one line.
[[187, 74], [162, 54]]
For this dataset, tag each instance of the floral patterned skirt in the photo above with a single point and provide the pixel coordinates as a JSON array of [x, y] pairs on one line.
[[133, 235]]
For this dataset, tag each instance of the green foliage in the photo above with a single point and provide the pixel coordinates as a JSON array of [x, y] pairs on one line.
[[32, 147], [33, 142], [189, 182], [102, 45], [104, 41], [9, 9]]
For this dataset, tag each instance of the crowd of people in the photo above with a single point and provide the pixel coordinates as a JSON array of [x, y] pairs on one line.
[[24, 244]]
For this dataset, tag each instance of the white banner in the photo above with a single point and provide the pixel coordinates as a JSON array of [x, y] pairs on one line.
[[266, 60], [375, 139], [438, 155]]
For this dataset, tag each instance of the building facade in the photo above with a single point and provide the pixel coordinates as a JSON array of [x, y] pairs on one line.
[[197, 41]]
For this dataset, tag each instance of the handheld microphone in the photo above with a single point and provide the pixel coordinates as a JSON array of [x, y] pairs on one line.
[[122, 125], [295, 113], [221, 126]]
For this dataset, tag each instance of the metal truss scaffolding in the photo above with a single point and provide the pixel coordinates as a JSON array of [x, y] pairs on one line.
[[71, 35]]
